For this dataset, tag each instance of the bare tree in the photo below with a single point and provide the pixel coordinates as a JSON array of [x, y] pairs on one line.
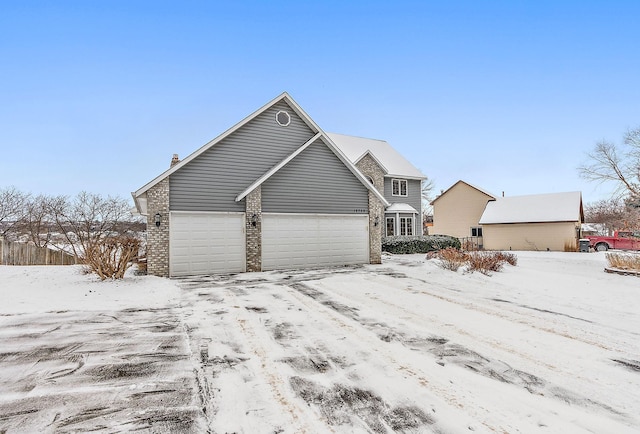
[[36, 223], [427, 197], [614, 214], [609, 162], [94, 227], [12, 202]]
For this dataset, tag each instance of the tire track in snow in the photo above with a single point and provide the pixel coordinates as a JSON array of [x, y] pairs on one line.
[[463, 357], [243, 319], [447, 393]]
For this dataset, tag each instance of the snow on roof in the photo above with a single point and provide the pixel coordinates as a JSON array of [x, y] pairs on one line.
[[401, 207], [535, 208], [466, 183], [393, 163]]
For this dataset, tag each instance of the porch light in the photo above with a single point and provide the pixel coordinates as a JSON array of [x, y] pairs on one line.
[[376, 222], [254, 219], [157, 218]]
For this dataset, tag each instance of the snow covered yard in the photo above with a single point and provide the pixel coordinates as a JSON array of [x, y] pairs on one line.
[[551, 345]]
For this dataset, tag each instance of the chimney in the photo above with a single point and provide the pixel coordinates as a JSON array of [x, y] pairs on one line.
[[174, 160]]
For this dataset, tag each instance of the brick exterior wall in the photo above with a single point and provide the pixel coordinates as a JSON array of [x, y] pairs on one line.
[[158, 236], [376, 223], [254, 233], [370, 168]]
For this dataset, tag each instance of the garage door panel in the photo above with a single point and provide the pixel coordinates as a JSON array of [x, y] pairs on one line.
[[206, 243], [297, 241]]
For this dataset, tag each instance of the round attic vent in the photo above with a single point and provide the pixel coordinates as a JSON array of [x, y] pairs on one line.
[[282, 118]]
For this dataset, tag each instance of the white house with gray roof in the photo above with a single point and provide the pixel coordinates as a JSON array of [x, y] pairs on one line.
[[277, 192]]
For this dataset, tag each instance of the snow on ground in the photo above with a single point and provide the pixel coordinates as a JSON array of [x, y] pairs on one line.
[[551, 345]]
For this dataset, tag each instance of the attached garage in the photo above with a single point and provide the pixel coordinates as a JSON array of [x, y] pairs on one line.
[[272, 192], [311, 240], [206, 243]]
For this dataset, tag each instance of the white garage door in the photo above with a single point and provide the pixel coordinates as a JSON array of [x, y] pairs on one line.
[[298, 241], [206, 243]]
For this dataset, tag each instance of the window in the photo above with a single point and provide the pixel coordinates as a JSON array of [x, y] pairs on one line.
[[476, 232], [391, 226], [282, 118], [406, 225], [398, 187]]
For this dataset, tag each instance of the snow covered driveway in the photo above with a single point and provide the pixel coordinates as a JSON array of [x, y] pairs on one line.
[[551, 345]]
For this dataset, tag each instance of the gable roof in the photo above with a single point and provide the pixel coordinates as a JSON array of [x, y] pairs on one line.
[[140, 197], [536, 208], [491, 196], [394, 164]]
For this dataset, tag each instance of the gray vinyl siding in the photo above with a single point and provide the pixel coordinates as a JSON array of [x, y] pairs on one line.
[[413, 198], [414, 195], [316, 181], [212, 180]]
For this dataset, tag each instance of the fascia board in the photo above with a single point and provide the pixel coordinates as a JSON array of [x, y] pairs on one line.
[[213, 142], [368, 152], [336, 150]]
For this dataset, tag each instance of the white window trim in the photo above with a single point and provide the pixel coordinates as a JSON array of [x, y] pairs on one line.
[[283, 124], [407, 226], [386, 227], [400, 181]]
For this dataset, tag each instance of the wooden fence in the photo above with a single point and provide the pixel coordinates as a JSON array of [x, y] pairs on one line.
[[26, 254]]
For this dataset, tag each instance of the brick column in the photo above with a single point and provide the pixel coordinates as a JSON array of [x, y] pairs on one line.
[[158, 236], [369, 167], [376, 213], [253, 207]]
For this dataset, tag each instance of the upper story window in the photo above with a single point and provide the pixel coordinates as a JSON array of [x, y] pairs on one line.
[[283, 118], [399, 187]]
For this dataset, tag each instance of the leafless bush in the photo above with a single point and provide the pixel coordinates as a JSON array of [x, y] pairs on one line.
[[570, 246], [484, 262], [451, 259], [624, 261], [110, 257], [507, 257]]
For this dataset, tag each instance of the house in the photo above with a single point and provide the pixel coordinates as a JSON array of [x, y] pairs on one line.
[[394, 176], [534, 222], [531, 222], [274, 192], [457, 211]]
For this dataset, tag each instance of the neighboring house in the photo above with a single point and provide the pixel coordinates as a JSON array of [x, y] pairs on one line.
[[394, 176], [457, 211], [274, 192], [532, 222]]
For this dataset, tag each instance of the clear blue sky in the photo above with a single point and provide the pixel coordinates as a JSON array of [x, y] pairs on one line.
[[507, 95]]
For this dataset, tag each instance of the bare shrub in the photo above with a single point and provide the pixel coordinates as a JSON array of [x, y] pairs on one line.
[[507, 257], [624, 261], [110, 257], [485, 262], [451, 258]]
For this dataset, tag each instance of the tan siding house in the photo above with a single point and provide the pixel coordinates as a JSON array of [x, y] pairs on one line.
[[531, 236], [532, 222], [459, 209]]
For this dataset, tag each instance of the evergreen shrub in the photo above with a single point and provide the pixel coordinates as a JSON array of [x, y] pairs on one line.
[[418, 244]]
